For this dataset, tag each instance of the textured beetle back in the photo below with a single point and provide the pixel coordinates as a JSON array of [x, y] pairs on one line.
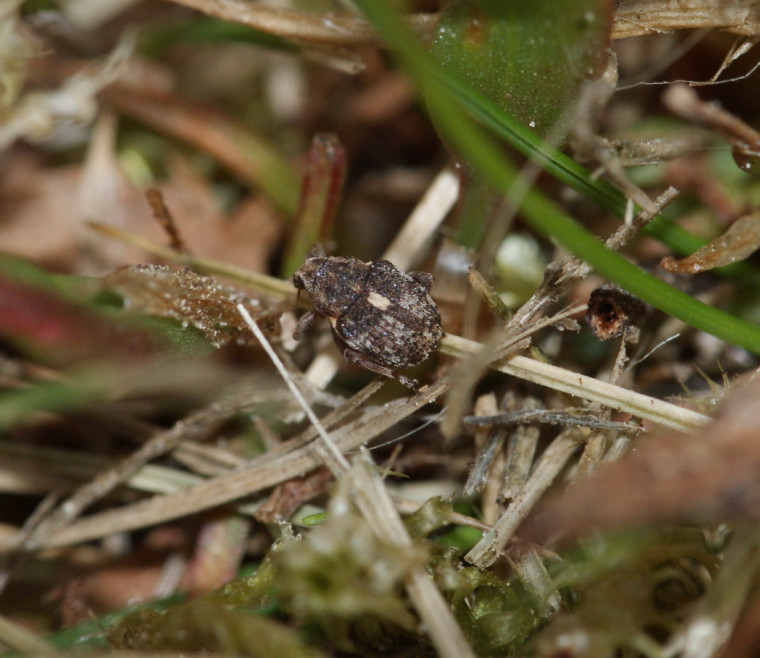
[[394, 322]]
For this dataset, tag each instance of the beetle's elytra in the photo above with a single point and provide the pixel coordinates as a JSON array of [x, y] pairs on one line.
[[383, 318]]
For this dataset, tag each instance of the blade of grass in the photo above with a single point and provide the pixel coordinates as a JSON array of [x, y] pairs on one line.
[[17, 406], [561, 166], [261, 282], [542, 214]]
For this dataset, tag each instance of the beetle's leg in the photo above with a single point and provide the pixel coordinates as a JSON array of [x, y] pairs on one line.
[[304, 324], [425, 279], [357, 358]]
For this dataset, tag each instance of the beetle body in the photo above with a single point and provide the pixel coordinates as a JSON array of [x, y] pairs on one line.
[[384, 318]]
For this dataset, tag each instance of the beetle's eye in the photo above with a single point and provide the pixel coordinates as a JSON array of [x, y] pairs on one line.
[[298, 281]]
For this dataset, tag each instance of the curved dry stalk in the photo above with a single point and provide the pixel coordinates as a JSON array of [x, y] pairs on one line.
[[320, 29], [632, 18]]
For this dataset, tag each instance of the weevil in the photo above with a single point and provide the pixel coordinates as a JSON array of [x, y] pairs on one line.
[[382, 318]]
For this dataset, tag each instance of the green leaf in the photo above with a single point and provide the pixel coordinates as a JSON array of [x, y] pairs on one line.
[[529, 58]]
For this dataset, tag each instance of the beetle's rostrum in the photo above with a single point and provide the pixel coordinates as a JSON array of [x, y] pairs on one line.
[[382, 318]]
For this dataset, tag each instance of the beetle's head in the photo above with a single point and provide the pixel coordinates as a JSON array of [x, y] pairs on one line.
[[333, 283], [305, 275]]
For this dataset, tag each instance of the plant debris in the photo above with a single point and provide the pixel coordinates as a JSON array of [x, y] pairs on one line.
[[186, 296], [179, 474], [740, 241]]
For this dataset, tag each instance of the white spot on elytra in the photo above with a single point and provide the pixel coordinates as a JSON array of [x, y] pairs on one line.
[[378, 301]]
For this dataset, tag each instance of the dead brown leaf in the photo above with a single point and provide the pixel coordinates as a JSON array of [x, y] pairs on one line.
[[39, 212], [42, 208], [186, 296], [737, 243]]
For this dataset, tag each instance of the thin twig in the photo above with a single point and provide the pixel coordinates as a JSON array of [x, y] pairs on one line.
[[332, 456]]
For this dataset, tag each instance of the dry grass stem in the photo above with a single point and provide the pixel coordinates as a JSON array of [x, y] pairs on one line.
[[17, 637], [40, 470], [377, 507], [521, 452], [330, 453], [293, 459], [324, 366], [488, 441], [584, 387], [412, 242], [489, 294], [597, 442], [551, 462], [639, 17]]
